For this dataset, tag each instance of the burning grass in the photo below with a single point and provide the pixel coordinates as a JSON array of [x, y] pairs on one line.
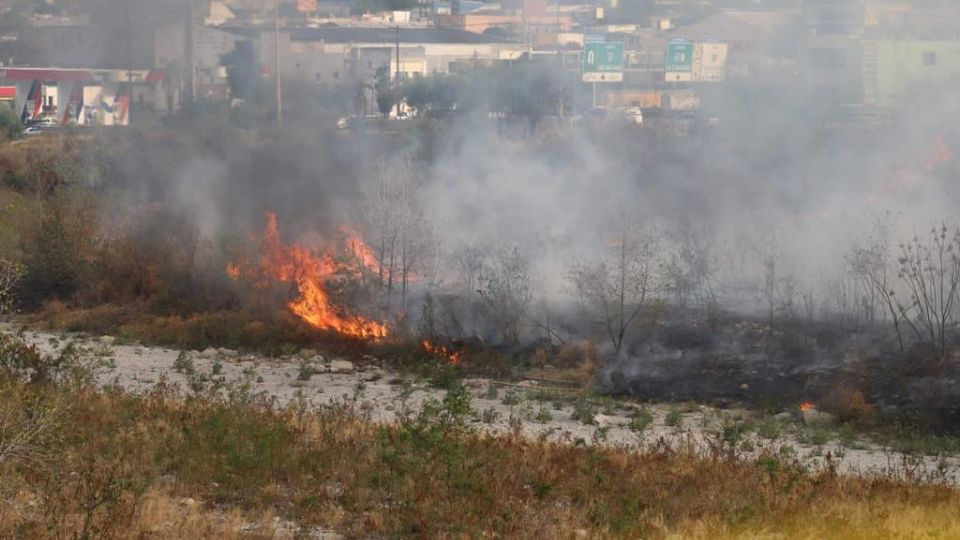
[[310, 271], [112, 464]]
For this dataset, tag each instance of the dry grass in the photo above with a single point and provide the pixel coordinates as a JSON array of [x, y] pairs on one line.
[[115, 465]]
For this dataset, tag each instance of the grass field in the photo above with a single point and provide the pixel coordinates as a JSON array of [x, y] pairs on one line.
[[76, 461]]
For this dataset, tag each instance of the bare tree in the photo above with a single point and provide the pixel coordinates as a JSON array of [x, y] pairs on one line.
[[930, 273], [871, 264], [469, 263], [381, 218], [617, 289], [401, 235], [506, 290]]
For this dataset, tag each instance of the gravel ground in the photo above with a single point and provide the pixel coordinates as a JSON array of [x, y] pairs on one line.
[[139, 368]]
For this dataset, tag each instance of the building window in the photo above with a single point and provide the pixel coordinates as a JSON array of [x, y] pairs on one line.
[[713, 58], [318, 76], [929, 58], [336, 75]]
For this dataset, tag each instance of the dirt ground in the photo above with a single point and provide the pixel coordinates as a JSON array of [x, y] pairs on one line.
[[138, 368]]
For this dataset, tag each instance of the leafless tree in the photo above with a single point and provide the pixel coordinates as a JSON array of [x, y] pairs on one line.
[[617, 289], [690, 271], [871, 263], [469, 263], [930, 272], [506, 290], [401, 235], [770, 259]]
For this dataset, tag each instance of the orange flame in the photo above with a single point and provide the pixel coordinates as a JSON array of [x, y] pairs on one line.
[[439, 350], [300, 266], [806, 406]]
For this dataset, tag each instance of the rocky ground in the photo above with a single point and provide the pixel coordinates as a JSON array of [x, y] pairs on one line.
[[528, 407]]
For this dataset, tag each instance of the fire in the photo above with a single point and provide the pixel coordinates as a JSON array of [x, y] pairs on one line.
[[806, 406], [439, 350], [298, 265]]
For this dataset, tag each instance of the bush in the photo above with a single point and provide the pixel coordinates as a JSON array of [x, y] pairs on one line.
[[848, 405]]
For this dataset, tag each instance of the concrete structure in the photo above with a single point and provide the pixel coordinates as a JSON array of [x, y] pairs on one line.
[[331, 55], [904, 66]]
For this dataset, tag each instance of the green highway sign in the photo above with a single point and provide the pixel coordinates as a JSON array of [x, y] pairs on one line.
[[680, 56], [602, 62]]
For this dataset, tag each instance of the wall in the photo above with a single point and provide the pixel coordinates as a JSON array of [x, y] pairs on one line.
[[904, 65]]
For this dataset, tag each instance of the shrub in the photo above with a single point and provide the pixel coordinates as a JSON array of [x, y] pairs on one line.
[[674, 418], [184, 363], [584, 411], [640, 421], [848, 405]]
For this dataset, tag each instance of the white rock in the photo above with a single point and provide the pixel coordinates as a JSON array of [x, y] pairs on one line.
[[107, 340], [603, 420], [339, 365], [229, 353], [209, 353], [317, 359], [306, 354]]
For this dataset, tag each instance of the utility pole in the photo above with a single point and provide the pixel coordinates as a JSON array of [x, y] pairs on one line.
[[397, 83], [191, 60], [276, 63]]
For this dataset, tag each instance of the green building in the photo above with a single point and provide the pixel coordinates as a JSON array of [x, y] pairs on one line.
[[894, 69]]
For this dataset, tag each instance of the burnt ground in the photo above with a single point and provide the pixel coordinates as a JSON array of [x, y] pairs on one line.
[[742, 360]]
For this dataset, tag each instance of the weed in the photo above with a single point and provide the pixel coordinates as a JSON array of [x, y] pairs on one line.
[[184, 363], [640, 421], [512, 397], [769, 428], [584, 411], [306, 371], [489, 416], [674, 418]]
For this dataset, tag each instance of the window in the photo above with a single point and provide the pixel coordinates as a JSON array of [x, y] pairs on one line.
[[713, 58], [929, 58], [828, 58], [336, 75], [318, 76]]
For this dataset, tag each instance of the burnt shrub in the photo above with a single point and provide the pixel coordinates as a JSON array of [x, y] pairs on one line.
[[849, 405], [686, 338]]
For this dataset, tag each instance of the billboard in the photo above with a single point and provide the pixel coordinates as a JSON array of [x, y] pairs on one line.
[[307, 6], [680, 56], [602, 61]]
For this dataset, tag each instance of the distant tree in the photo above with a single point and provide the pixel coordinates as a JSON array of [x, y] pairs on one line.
[[616, 290], [10, 126], [435, 93], [386, 95], [871, 264], [243, 71], [58, 249], [506, 290], [929, 271], [401, 235]]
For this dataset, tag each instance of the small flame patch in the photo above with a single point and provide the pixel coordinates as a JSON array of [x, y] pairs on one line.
[[443, 352]]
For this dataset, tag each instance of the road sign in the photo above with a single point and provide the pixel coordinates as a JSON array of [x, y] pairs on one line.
[[680, 56], [603, 62]]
